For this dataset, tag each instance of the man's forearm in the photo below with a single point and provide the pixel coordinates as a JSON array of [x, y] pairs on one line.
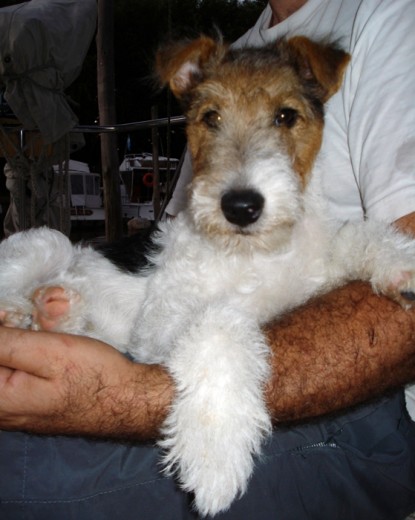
[[137, 409], [337, 351]]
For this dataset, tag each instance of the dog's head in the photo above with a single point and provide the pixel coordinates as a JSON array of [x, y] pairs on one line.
[[254, 126]]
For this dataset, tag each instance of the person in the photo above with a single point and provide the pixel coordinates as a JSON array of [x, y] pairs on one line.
[[332, 360]]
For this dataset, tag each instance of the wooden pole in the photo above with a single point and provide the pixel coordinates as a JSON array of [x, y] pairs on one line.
[[156, 169], [107, 116]]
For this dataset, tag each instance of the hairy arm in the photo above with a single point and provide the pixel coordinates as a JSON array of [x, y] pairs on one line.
[[336, 351]]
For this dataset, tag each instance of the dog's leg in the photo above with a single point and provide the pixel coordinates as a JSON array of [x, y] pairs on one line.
[[379, 254], [219, 418]]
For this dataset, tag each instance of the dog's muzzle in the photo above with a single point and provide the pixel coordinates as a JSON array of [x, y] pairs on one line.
[[242, 207]]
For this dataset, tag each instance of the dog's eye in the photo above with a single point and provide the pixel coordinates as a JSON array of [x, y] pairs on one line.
[[212, 119], [286, 117]]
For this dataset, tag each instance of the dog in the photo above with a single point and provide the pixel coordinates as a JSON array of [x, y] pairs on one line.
[[254, 242]]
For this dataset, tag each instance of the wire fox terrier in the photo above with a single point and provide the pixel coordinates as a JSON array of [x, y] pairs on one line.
[[254, 242]]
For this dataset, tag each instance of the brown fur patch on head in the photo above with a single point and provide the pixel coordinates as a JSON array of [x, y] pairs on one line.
[[214, 81]]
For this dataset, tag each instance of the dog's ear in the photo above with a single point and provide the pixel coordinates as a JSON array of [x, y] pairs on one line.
[[180, 65], [324, 63]]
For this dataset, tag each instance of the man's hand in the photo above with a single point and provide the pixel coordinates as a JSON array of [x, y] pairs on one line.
[[56, 383]]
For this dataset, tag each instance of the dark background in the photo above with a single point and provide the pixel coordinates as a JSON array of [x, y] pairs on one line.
[[140, 26]]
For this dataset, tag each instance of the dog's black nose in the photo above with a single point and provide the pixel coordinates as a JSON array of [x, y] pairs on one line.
[[242, 207]]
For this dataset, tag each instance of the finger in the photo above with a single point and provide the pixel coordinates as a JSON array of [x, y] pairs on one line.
[[15, 385], [5, 375], [23, 397], [36, 353]]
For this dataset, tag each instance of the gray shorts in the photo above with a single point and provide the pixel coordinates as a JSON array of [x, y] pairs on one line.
[[354, 466]]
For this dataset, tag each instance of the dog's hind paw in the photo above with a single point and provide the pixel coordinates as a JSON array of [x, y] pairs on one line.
[[15, 318], [49, 308], [52, 305]]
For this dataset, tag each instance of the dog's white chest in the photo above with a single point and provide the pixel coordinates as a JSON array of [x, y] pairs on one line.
[[192, 274]]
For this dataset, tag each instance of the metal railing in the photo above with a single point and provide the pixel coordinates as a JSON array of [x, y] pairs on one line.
[[130, 127], [116, 128]]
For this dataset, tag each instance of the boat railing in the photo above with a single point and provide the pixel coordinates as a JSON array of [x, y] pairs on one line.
[[130, 127], [13, 127]]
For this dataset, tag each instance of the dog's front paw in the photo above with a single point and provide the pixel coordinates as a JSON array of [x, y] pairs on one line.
[[212, 459], [213, 433], [399, 286]]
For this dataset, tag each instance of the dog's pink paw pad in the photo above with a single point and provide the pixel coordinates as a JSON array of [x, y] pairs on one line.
[[51, 305]]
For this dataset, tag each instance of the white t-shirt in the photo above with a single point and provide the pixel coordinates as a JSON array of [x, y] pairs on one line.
[[368, 151]]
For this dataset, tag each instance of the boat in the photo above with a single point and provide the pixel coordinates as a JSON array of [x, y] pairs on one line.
[[137, 183]]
